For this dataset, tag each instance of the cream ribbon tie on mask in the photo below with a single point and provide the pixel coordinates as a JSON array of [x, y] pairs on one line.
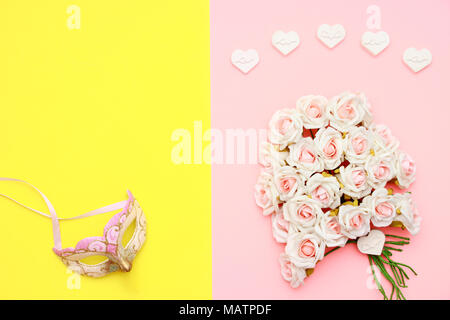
[[109, 245]]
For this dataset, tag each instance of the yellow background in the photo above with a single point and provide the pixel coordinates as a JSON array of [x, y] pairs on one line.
[[87, 114]]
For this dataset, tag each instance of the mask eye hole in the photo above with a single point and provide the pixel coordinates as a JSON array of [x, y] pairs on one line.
[[94, 260], [128, 234]]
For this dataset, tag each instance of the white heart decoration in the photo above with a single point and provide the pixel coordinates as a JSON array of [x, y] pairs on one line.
[[375, 42], [245, 60], [331, 35], [417, 59], [372, 244], [285, 42]]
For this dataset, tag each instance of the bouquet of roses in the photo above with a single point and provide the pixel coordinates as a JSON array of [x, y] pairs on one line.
[[325, 183]]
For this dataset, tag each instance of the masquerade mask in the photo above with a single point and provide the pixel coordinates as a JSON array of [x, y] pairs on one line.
[[109, 245]]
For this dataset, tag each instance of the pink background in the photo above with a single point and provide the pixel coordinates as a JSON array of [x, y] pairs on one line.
[[415, 106]]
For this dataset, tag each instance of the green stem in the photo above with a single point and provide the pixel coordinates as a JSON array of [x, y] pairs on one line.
[[400, 269], [387, 253], [379, 286], [397, 279], [394, 236], [385, 274], [403, 274], [334, 249], [390, 248], [397, 274], [399, 243], [404, 265]]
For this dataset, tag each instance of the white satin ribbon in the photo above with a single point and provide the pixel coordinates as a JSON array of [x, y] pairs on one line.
[[53, 215]]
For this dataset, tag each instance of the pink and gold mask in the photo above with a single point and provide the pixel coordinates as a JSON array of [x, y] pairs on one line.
[[109, 245]]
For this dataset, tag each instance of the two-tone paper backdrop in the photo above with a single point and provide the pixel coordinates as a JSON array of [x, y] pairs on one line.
[[90, 112], [87, 114], [414, 106]]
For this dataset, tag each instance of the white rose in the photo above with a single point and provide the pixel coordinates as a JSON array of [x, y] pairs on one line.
[[379, 170], [285, 127], [280, 227], [325, 190], [305, 249], [329, 229], [365, 105], [330, 146], [288, 182], [405, 169], [355, 220], [304, 156], [313, 111], [347, 110], [354, 179], [302, 211], [290, 272], [407, 213], [270, 157], [384, 142], [266, 193], [357, 145], [381, 207]]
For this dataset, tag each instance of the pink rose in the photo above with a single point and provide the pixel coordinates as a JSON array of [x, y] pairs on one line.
[[355, 182], [302, 212], [280, 227], [381, 207], [358, 144], [266, 193], [330, 146], [304, 156], [313, 111], [329, 229], [325, 190], [270, 157], [288, 182], [385, 143], [355, 220], [285, 127], [405, 170], [379, 170], [291, 273], [408, 213], [347, 110], [304, 249]]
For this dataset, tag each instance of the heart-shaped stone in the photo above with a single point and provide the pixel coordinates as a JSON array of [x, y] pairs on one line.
[[245, 60], [417, 59], [372, 244], [375, 42], [331, 35], [285, 42]]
